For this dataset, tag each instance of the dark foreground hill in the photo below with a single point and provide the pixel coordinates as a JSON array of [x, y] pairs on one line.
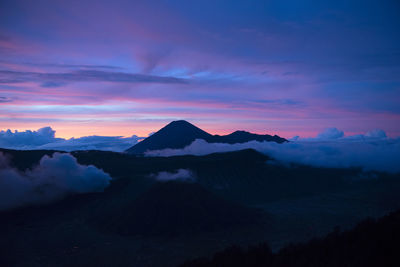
[[138, 221], [174, 207], [370, 243], [179, 134]]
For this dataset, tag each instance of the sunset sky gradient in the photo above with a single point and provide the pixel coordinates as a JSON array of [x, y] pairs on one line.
[[120, 68]]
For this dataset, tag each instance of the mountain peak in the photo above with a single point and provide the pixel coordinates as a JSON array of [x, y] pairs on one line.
[[180, 133], [180, 127], [239, 132], [176, 134], [179, 123]]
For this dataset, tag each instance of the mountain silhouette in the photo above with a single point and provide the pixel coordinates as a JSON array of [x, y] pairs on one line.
[[243, 136], [179, 134], [176, 134]]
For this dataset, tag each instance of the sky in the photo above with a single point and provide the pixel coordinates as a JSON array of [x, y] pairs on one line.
[[124, 68]]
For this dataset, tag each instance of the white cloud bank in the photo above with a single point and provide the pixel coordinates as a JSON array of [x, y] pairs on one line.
[[372, 151], [44, 138], [178, 175], [54, 178], [331, 134]]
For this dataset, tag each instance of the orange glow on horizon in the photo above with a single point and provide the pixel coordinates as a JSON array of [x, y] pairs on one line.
[[69, 130]]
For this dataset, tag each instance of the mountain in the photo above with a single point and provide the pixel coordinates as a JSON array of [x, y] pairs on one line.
[[179, 134], [176, 134], [243, 137]]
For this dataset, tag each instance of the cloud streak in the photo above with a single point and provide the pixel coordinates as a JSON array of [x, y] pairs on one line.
[[62, 66], [178, 175], [4, 99], [8, 76], [54, 178]]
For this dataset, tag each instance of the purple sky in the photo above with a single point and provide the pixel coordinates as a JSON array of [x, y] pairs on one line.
[[129, 67]]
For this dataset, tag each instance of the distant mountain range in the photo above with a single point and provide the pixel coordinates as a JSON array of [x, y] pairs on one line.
[[179, 134]]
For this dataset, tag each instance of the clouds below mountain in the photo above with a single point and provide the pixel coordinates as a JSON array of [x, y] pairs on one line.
[[330, 148], [372, 151], [178, 175], [109, 143], [44, 138], [331, 134], [54, 178]]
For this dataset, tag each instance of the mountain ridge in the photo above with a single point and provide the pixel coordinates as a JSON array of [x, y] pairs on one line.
[[179, 134]]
